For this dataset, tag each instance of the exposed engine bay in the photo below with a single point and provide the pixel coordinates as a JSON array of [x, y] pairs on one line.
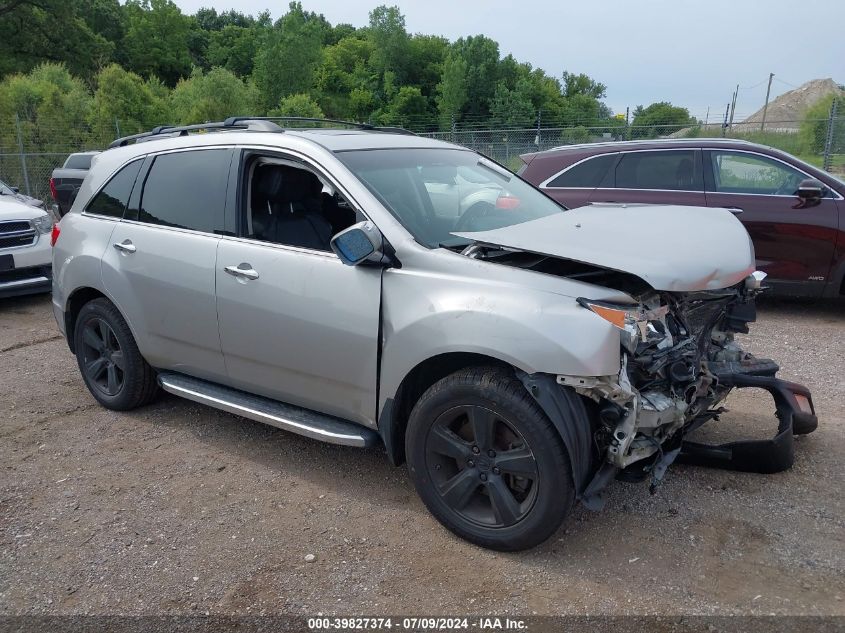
[[679, 361]]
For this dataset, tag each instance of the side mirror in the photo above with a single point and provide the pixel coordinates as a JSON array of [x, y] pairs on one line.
[[359, 243], [16, 190], [811, 190]]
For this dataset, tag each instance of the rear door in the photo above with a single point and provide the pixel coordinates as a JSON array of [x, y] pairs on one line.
[[793, 242], [664, 176], [160, 266]]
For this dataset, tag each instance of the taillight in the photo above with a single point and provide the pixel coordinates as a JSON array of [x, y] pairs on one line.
[[507, 202], [53, 189], [54, 235]]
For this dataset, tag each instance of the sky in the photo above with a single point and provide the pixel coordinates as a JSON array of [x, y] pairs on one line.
[[692, 54]]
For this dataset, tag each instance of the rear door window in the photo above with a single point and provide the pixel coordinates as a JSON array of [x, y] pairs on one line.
[[113, 198], [587, 174], [675, 170], [187, 190], [741, 172]]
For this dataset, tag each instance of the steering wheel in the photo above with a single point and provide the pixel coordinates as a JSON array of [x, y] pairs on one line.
[[476, 211]]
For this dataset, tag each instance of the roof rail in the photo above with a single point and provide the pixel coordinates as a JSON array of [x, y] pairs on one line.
[[301, 119], [234, 123], [248, 123]]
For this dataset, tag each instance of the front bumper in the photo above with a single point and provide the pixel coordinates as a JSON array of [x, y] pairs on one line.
[[796, 416]]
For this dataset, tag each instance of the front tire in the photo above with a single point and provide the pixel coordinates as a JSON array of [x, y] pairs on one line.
[[487, 462], [109, 360]]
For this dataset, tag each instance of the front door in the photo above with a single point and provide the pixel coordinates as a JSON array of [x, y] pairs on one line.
[[296, 324], [793, 242]]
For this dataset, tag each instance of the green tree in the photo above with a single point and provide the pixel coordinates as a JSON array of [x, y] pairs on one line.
[[659, 119], [298, 105], [234, 48], [391, 42], [452, 89], [344, 68], [53, 108], [124, 104], [211, 96], [814, 124], [407, 107], [288, 56], [581, 84], [157, 40], [513, 107], [33, 32]]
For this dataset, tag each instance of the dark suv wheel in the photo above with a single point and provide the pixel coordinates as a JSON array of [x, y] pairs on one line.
[[487, 461], [112, 367]]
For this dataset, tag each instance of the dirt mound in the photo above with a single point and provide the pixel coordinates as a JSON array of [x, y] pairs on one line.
[[785, 112]]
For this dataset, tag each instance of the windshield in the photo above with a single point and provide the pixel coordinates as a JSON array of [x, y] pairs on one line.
[[435, 192], [5, 189]]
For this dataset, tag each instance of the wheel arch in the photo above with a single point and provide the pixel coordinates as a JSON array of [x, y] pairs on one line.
[[393, 419], [77, 299]]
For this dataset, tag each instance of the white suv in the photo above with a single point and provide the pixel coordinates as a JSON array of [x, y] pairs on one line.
[[25, 256]]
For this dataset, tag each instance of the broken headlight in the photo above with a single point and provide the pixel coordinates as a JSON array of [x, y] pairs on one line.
[[638, 324]]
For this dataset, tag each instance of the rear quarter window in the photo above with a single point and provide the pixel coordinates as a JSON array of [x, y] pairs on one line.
[[113, 198], [587, 174]]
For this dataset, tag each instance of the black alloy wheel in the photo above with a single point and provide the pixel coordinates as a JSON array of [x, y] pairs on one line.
[[102, 358], [481, 466]]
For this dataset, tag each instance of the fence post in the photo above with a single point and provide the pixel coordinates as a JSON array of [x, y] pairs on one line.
[[23, 156], [452, 128], [828, 143], [537, 140]]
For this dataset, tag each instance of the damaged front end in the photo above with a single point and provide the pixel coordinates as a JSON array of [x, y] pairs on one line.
[[679, 362]]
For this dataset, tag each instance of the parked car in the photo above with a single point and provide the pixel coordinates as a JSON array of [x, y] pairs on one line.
[[25, 255], [66, 180], [794, 212], [518, 356], [14, 192]]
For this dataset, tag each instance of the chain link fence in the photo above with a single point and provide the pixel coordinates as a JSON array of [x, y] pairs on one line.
[[30, 151]]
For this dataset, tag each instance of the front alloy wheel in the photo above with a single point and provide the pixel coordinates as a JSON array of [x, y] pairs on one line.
[[481, 466], [486, 460]]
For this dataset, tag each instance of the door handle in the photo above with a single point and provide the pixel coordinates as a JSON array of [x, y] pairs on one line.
[[126, 246], [734, 210], [242, 270]]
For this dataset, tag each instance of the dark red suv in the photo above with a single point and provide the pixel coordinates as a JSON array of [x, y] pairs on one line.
[[794, 212]]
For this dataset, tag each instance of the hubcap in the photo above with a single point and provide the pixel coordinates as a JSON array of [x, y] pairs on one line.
[[102, 358], [481, 466]]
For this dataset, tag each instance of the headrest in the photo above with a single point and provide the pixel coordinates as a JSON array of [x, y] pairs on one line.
[[269, 181]]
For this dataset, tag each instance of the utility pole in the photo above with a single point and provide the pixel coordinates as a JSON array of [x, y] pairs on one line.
[[725, 121], [733, 107], [766, 106]]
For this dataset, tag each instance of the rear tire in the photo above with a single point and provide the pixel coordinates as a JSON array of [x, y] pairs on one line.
[[109, 360], [487, 462]]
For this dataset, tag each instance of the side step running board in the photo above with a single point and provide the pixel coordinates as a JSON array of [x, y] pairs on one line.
[[284, 416]]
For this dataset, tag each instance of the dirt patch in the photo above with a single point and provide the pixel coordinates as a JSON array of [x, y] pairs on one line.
[[178, 508]]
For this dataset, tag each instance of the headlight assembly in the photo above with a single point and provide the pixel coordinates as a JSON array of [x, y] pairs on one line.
[[638, 324], [43, 223]]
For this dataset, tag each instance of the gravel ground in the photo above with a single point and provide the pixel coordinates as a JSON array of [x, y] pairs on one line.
[[177, 508]]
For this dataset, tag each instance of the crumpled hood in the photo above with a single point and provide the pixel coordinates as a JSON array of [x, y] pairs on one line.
[[670, 247]]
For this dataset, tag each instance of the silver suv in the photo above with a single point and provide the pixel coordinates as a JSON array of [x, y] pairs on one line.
[[366, 286]]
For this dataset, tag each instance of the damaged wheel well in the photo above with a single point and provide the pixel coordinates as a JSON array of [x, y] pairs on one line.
[[394, 416]]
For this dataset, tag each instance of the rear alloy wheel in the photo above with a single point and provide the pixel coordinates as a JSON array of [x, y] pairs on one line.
[[102, 358], [487, 462], [109, 360]]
